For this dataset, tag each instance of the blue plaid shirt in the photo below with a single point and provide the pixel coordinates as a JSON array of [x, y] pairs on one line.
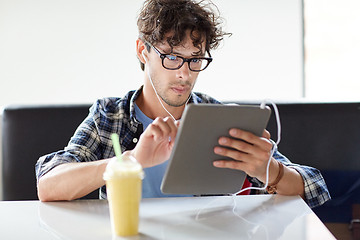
[[92, 142]]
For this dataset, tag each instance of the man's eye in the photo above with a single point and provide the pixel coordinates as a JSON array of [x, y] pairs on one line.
[[171, 57], [196, 60]]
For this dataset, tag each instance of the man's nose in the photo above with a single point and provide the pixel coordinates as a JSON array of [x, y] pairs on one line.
[[184, 72]]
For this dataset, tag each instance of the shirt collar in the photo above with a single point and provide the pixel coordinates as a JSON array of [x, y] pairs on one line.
[[194, 98], [132, 103]]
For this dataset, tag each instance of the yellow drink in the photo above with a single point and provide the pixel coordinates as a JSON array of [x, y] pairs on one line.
[[123, 184]]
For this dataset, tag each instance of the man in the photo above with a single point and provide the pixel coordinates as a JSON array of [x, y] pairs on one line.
[[175, 39]]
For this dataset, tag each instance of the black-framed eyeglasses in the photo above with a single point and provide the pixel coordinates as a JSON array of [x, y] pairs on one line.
[[173, 62]]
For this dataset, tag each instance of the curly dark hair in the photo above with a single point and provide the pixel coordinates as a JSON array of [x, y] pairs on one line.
[[159, 17]]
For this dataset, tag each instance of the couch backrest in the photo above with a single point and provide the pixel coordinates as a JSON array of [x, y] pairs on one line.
[[322, 135], [29, 132]]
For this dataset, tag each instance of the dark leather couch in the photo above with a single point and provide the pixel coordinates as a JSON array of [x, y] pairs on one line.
[[322, 135], [29, 132]]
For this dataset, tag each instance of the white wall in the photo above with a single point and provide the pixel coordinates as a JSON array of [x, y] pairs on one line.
[[71, 51]]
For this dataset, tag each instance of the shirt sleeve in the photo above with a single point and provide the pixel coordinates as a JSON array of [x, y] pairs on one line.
[[316, 191], [84, 146]]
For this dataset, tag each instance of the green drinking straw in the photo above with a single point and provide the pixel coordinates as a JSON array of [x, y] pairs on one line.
[[116, 145]]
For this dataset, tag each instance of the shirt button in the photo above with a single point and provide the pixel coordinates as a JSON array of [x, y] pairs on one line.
[[135, 140]]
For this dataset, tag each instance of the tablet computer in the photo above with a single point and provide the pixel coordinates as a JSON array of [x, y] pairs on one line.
[[190, 169]]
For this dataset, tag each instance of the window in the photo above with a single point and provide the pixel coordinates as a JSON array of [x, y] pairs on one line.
[[332, 49]]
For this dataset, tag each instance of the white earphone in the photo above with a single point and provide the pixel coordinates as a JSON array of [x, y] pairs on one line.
[[142, 53]]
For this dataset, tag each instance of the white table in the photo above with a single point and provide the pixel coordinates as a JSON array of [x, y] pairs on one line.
[[255, 217]]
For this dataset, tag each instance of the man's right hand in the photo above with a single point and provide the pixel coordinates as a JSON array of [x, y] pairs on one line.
[[156, 143]]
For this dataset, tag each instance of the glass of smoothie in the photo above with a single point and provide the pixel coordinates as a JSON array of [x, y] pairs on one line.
[[123, 185]]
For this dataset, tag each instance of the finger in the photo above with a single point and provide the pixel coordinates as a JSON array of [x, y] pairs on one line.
[[251, 138], [154, 131], [239, 145], [163, 124], [244, 135], [231, 153], [167, 127], [157, 130], [266, 134], [229, 164], [173, 128], [177, 123]]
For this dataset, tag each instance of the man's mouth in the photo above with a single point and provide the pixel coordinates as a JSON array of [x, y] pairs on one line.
[[180, 89]]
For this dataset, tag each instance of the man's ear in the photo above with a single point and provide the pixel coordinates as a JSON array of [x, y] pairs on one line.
[[141, 49]]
